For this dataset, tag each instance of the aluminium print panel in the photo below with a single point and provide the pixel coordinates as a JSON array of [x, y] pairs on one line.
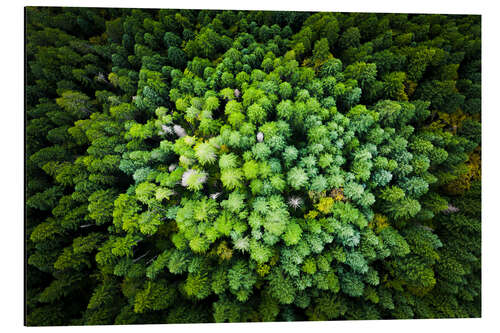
[[195, 166]]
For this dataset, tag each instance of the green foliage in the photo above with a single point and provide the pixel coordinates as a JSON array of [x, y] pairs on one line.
[[153, 296], [225, 166]]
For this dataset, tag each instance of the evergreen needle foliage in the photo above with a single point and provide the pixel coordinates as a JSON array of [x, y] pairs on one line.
[[190, 166]]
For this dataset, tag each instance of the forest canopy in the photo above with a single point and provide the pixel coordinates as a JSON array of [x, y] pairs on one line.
[[192, 166]]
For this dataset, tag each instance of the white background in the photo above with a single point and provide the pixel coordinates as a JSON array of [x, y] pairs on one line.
[[12, 174]]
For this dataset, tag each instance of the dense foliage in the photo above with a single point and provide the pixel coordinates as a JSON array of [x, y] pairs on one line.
[[213, 166]]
